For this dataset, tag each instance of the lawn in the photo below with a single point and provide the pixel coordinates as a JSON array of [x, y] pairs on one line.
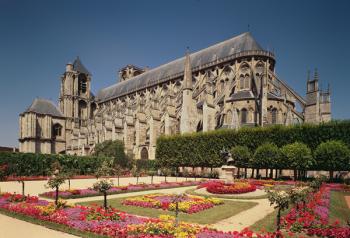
[[268, 223], [209, 216], [339, 210]]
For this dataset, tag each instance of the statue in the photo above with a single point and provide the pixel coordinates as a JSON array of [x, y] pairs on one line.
[[229, 169], [227, 156]]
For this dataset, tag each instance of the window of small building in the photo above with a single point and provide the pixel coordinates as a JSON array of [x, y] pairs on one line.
[[244, 116], [56, 130]]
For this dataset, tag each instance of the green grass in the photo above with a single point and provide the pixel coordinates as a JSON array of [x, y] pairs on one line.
[[193, 192], [339, 210], [51, 225], [209, 216], [268, 223]]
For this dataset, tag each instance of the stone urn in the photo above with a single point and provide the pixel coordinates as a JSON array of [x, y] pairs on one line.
[[229, 172]]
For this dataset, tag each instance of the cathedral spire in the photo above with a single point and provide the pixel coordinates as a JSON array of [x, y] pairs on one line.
[[187, 72], [308, 76]]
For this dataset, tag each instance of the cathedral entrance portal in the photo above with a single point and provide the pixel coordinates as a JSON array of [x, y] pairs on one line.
[[144, 153]]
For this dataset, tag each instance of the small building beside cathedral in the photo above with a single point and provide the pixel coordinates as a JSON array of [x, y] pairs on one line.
[[231, 84]]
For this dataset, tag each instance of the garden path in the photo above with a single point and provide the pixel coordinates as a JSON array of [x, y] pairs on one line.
[[245, 218], [14, 228], [37, 187]]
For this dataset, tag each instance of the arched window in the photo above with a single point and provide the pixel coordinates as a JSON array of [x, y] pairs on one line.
[[241, 82], [274, 116], [82, 110], [199, 126], [82, 83], [244, 116], [92, 110], [222, 86], [246, 81], [56, 130], [144, 153], [229, 117]]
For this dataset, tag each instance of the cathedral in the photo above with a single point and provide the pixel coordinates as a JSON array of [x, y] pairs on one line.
[[231, 84]]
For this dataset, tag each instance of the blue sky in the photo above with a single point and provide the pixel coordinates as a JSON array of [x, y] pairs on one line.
[[38, 38]]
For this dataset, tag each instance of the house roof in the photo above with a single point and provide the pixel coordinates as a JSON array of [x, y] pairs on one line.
[[240, 43], [44, 106]]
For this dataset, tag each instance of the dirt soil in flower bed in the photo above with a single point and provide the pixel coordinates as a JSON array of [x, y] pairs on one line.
[[209, 216], [82, 193]]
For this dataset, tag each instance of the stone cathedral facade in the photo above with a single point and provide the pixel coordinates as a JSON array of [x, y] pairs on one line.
[[232, 84]]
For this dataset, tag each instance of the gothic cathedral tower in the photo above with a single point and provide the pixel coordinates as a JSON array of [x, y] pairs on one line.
[[75, 99]]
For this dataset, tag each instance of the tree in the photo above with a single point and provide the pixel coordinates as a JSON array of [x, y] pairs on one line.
[[136, 173], [241, 156], [298, 157], [56, 180], [117, 170], [151, 173], [165, 172], [332, 156], [113, 149], [105, 184], [266, 157], [281, 201]]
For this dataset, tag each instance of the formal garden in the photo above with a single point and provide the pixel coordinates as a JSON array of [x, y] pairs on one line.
[[287, 182]]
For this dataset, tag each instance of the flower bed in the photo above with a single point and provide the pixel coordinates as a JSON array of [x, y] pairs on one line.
[[111, 223], [219, 187], [186, 203], [312, 217], [89, 192], [39, 178]]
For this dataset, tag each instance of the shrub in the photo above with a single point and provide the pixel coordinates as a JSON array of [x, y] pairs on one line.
[[298, 157], [202, 149], [332, 156], [113, 149]]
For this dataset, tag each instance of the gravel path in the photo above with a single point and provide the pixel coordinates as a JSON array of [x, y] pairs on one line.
[[14, 228], [245, 218]]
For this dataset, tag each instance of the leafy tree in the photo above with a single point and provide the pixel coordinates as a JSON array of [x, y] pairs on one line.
[[106, 169], [113, 149], [135, 172], [298, 157], [265, 157], [332, 156], [56, 180], [241, 156], [117, 171], [151, 173], [105, 184], [281, 200], [165, 172]]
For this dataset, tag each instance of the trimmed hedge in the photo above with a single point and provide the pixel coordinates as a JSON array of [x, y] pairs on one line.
[[203, 149], [40, 164]]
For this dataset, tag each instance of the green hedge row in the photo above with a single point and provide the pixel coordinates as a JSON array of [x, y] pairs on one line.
[[29, 164], [203, 149]]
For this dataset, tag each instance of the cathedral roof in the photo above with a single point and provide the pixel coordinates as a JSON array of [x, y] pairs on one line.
[[44, 106], [240, 43], [78, 66], [241, 95]]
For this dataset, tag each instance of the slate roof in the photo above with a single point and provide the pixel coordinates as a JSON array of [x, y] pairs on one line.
[[44, 106], [240, 95], [240, 43], [78, 66]]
